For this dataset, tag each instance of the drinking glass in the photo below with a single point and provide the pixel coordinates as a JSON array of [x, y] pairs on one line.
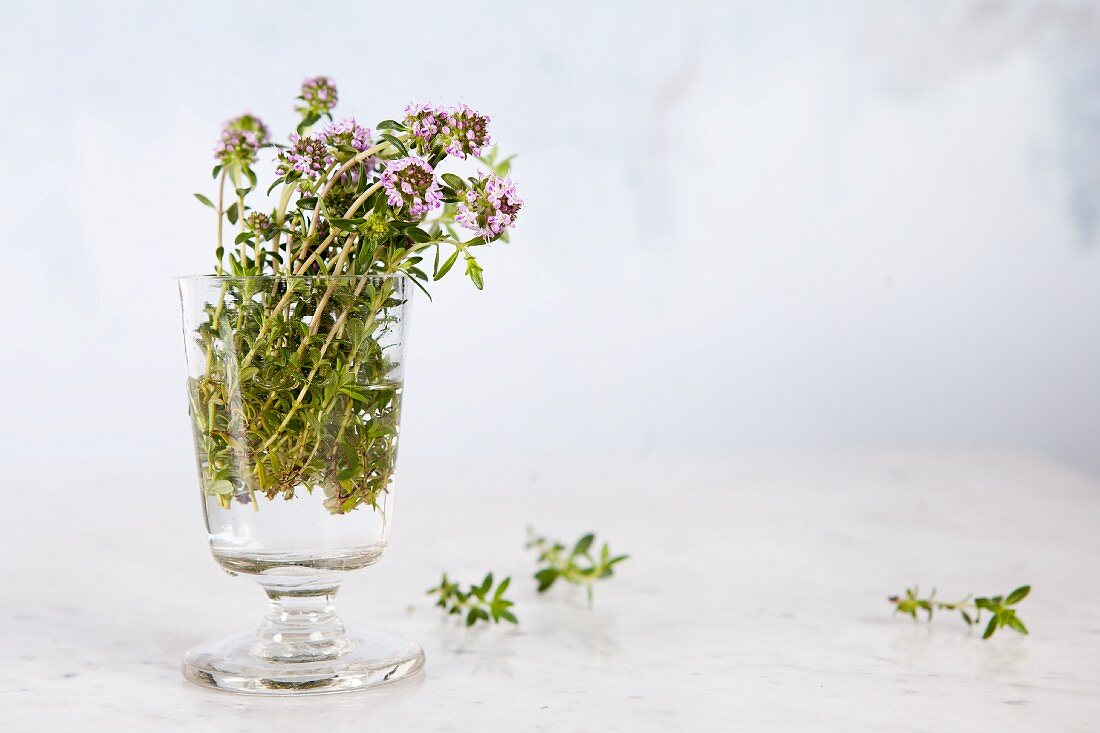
[[295, 390]]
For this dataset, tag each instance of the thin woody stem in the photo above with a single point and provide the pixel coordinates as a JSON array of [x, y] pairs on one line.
[[221, 201], [315, 323], [285, 300], [332, 235], [358, 158], [280, 217]]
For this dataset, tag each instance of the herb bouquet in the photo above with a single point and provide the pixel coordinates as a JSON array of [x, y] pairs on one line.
[[295, 353]]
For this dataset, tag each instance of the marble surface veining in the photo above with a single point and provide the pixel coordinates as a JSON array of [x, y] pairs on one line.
[[754, 599]]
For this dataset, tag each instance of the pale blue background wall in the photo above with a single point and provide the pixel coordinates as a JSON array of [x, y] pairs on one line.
[[750, 226]]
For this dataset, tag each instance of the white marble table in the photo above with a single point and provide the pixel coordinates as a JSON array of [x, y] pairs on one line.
[[754, 600]]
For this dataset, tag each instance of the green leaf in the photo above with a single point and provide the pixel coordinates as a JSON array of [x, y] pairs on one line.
[[346, 225], [356, 393], [992, 627], [447, 265], [390, 125], [546, 578], [232, 213], [473, 269], [502, 587], [380, 204], [583, 544], [1016, 624], [205, 200], [1017, 595], [422, 288], [222, 487], [454, 181], [509, 616], [396, 143], [307, 120]]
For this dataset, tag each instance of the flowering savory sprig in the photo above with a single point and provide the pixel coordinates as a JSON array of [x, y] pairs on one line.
[[577, 565], [318, 97], [284, 358], [478, 602], [411, 187], [340, 183], [1000, 607], [308, 156], [348, 135], [490, 206]]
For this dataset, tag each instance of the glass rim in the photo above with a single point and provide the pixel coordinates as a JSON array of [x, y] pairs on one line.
[[233, 278]]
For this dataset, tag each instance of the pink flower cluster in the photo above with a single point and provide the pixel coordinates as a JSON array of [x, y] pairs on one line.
[[461, 130], [423, 121], [313, 154], [241, 139], [348, 132], [464, 132], [410, 185], [308, 155], [490, 207], [258, 222], [319, 94], [236, 147]]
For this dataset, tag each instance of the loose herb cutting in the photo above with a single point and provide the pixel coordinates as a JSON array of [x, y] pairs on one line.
[[1000, 608], [299, 389], [477, 602], [578, 565]]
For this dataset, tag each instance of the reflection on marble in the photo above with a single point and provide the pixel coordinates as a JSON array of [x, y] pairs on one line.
[[754, 599]]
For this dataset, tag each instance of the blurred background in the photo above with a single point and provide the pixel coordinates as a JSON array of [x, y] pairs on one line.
[[749, 226]]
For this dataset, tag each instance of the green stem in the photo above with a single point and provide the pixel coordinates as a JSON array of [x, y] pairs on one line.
[[270, 321], [221, 214], [332, 235], [336, 328], [280, 217]]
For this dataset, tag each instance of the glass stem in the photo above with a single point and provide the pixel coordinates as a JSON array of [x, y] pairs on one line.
[[301, 626]]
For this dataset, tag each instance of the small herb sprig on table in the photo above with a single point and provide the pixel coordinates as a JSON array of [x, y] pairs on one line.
[[970, 610], [479, 602], [577, 565]]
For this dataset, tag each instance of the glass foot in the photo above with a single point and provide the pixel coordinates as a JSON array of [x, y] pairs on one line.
[[243, 664]]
